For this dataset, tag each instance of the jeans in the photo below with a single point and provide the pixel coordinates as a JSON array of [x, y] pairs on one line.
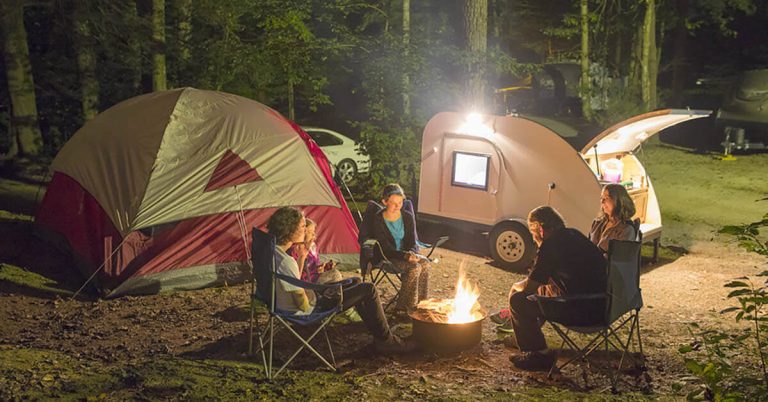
[[365, 299], [527, 322]]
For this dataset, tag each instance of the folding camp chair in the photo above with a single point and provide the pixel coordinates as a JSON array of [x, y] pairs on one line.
[[379, 270], [622, 300], [265, 279]]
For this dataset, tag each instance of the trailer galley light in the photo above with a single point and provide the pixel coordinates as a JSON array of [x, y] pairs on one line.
[[474, 125]]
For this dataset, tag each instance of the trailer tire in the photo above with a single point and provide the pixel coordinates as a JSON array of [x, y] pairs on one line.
[[512, 246]]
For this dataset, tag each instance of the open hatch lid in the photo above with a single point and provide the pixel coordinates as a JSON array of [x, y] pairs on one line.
[[629, 134]]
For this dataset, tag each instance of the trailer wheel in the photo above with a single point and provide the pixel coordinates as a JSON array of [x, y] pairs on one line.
[[512, 246]]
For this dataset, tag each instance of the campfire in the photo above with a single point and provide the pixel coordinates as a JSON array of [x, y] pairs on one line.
[[449, 325], [463, 308]]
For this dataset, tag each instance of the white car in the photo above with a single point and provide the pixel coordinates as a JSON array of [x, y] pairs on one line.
[[342, 152]]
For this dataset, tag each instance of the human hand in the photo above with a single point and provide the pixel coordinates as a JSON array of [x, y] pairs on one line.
[[519, 286], [301, 249], [412, 257]]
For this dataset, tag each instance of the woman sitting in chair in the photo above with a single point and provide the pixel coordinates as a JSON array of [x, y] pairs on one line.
[[615, 219], [394, 230], [288, 224]]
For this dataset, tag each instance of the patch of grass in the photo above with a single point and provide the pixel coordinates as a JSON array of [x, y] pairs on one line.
[[18, 196], [34, 374], [12, 216], [22, 277], [31, 374]]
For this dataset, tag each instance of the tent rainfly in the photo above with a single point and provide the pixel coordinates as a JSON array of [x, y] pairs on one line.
[[160, 191]]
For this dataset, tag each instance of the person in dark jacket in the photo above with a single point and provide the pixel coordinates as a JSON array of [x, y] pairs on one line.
[[567, 263], [394, 229]]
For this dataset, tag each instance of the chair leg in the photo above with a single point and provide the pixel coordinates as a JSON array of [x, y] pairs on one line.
[[330, 348], [640, 341], [271, 346], [305, 344]]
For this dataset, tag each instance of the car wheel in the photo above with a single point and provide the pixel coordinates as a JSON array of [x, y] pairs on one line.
[[346, 170], [512, 246]]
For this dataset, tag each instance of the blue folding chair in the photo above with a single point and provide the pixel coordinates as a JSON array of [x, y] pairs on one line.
[[265, 279]]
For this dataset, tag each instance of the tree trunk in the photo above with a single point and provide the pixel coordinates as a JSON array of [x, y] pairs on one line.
[[158, 46], [406, 46], [183, 38], [86, 60], [24, 130], [291, 101], [476, 26], [680, 45], [635, 60], [585, 87], [647, 76], [135, 67]]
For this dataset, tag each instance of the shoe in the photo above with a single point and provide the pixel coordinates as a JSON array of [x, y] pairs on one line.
[[394, 345], [352, 316], [502, 317], [507, 327], [534, 361]]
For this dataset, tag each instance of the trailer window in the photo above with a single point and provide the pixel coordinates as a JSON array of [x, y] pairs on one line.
[[470, 170]]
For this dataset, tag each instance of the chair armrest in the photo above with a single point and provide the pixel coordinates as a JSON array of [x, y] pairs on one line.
[[573, 310], [567, 298], [316, 287]]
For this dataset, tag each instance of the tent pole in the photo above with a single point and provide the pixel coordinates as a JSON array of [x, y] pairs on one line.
[[98, 269]]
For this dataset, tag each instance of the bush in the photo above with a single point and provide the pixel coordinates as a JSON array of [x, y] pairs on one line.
[[733, 365]]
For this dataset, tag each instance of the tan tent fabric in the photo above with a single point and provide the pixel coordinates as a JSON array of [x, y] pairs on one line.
[[165, 152]]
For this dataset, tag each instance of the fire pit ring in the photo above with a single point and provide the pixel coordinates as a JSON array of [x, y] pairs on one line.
[[443, 337]]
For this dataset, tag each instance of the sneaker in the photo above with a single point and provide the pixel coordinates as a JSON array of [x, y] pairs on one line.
[[534, 361], [506, 327], [502, 317], [352, 316], [394, 345]]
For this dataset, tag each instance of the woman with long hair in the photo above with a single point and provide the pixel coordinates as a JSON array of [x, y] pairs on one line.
[[394, 229], [615, 218]]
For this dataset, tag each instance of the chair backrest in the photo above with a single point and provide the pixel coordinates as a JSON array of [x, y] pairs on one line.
[[638, 233], [623, 278], [366, 232], [263, 259]]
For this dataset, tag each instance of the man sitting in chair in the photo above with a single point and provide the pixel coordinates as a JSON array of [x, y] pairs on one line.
[[567, 263], [287, 225]]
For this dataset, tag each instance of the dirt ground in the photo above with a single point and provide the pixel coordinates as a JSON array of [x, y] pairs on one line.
[[684, 286]]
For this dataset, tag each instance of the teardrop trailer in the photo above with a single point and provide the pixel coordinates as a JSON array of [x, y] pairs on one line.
[[484, 173]]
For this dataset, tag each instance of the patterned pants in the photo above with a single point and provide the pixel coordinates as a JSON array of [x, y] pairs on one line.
[[415, 283]]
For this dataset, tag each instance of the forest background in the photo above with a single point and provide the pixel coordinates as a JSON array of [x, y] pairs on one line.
[[373, 70]]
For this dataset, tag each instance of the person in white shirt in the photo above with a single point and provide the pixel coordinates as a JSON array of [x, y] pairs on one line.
[[287, 225]]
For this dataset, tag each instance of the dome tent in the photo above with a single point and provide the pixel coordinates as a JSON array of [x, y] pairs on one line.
[[161, 190]]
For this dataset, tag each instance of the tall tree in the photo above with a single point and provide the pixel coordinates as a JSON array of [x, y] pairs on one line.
[[585, 89], [158, 46], [406, 46], [86, 59], [648, 69], [476, 30], [26, 138]]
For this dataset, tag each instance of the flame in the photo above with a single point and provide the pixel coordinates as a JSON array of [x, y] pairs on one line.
[[464, 302]]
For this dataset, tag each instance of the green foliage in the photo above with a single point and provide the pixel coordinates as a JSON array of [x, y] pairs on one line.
[[623, 103], [749, 236], [733, 365]]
